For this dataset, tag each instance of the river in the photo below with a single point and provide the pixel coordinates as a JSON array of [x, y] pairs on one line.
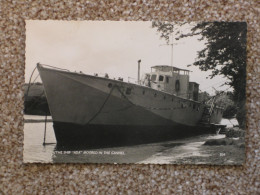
[[188, 150]]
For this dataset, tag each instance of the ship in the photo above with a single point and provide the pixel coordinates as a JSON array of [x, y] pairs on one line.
[[94, 111]]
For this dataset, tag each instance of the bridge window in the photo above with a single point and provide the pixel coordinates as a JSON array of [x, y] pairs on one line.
[[153, 77], [161, 78]]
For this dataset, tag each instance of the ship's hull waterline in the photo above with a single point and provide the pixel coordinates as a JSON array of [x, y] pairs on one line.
[[92, 111], [74, 136]]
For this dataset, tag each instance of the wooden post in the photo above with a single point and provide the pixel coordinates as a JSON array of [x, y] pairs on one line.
[[45, 124]]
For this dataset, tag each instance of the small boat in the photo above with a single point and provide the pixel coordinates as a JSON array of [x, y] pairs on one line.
[[94, 111]]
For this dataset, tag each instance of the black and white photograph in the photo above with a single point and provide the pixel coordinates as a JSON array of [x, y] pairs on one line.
[[150, 92]]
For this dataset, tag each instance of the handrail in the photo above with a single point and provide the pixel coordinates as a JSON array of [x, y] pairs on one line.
[[54, 67]]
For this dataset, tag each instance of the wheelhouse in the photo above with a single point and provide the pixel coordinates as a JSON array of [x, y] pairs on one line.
[[169, 79]]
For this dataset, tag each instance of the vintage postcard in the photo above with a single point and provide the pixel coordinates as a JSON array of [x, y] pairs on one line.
[[135, 92]]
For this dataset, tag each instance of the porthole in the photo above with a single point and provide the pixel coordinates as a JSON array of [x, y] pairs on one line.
[[109, 85], [128, 91]]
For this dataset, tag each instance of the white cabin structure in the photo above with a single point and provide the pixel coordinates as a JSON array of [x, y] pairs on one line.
[[169, 79]]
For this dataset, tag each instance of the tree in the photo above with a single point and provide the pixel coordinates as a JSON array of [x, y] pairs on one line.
[[225, 100], [224, 53]]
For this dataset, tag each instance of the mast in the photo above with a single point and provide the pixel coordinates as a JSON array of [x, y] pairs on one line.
[[172, 50], [171, 44], [138, 74]]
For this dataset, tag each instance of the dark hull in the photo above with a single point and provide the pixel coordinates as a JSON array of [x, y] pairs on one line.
[[73, 136]]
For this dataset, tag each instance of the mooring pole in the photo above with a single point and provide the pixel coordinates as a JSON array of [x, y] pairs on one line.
[[45, 124]]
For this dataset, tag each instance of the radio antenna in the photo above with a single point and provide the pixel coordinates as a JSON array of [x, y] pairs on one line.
[[171, 44]]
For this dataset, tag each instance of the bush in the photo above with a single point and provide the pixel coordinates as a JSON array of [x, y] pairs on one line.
[[230, 111], [235, 133]]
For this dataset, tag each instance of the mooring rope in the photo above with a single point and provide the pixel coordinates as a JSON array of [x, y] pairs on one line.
[[102, 106], [121, 109], [35, 78], [29, 84], [149, 108]]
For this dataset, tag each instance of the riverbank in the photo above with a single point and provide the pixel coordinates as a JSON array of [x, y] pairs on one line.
[[214, 150], [232, 146], [35, 101]]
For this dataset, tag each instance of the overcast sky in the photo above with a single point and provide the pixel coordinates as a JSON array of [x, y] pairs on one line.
[[109, 47]]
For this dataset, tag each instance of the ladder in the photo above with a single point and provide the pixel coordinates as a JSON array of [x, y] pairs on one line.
[[208, 110]]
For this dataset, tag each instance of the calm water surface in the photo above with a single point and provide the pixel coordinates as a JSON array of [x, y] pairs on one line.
[[35, 151]]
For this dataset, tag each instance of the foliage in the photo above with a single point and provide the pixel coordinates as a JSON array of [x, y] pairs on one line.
[[36, 105], [35, 102], [230, 111], [224, 53]]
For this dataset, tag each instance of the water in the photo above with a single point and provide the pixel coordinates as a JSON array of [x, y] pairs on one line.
[[162, 153], [34, 151]]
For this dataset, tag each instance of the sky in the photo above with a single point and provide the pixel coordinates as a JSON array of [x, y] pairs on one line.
[[112, 47]]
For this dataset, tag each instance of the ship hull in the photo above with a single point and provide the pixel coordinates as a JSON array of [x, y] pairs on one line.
[[75, 136], [93, 111]]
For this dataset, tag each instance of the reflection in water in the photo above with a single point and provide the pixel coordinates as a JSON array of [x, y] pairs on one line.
[[163, 152]]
